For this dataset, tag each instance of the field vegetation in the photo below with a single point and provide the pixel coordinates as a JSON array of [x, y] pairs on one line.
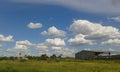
[[64, 65], [55, 63]]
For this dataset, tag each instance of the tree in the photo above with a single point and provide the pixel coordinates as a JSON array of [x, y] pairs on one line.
[[60, 56], [44, 57], [53, 56]]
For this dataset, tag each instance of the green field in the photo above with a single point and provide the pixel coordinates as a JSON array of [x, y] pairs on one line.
[[62, 66]]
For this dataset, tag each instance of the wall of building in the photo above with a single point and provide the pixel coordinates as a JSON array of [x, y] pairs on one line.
[[83, 55], [89, 55]]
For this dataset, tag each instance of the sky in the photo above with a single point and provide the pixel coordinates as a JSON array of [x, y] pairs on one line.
[[35, 27]]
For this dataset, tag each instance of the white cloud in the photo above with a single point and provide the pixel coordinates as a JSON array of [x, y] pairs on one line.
[[80, 40], [6, 39], [15, 52], [95, 6], [32, 25], [53, 46], [54, 32], [55, 42], [41, 46], [23, 44], [114, 42], [20, 47], [66, 52], [84, 27], [117, 19], [69, 52], [110, 49], [56, 48], [94, 30]]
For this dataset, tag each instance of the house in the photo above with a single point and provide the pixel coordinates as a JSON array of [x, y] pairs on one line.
[[90, 55]]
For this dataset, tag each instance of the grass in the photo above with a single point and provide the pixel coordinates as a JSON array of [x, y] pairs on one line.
[[62, 66]]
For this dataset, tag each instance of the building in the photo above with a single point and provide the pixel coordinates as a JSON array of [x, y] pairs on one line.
[[90, 55], [87, 54]]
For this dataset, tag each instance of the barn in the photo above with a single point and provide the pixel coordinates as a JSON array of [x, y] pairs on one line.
[[90, 55], [87, 54]]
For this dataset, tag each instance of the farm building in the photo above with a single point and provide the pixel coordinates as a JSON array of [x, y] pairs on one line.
[[89, 55]]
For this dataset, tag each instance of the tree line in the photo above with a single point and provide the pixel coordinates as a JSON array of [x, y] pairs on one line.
[[28, 57]]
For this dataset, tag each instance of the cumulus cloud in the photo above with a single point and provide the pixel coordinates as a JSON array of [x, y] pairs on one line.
[[114, 42], [110, 49], [24, 42], [94, 30], [84, 27], [95, 6], [15, 52], [55, 42], [6, 39], [80, 40], [20, 47], [24, 45], [32, 25], [117, 19], [41, 47], [66, 52], [54, 32], [56, 48]]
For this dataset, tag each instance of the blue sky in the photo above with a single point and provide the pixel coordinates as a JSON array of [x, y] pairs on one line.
[[35, 27]]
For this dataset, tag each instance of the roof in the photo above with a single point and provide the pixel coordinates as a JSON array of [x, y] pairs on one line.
[[101, 52]]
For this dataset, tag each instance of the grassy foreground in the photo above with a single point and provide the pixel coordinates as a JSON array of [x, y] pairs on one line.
[[62, 66]]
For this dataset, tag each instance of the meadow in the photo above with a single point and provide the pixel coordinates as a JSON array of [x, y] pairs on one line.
[[61, 66]]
